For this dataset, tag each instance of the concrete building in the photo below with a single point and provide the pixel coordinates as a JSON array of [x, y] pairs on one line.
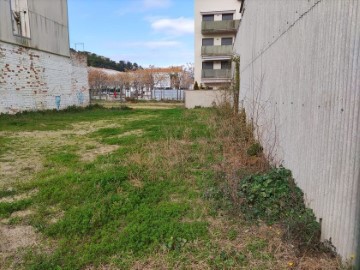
[[37, 70], [300, 85], [216, 24]]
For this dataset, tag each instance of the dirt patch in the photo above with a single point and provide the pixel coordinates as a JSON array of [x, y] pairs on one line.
[[100, 149], [136, 183], [26, 155], [17, 167], [14, 237], [136, 132], [19, 197]]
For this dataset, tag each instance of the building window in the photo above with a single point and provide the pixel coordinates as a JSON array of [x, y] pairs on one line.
[[208, 18], [225, 65], [226, 41], [208, 65], [228, 17], [208, 42], [20, 18]]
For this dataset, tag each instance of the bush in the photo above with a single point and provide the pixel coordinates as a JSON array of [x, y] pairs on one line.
[[254, 149], [274, 197], [196, 86]]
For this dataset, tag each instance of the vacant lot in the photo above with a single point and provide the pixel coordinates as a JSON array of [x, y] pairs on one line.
[[128, 189]]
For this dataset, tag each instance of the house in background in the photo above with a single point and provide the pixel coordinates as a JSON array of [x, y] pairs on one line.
[[37, 70], [216, 24]]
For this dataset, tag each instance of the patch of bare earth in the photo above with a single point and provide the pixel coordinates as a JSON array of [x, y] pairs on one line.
[[19, 197], [14, 239], [25, 158], [99, 149]]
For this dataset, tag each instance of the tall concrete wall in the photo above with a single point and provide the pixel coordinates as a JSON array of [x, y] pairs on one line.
[[49, 29], [36, 80], [300, 84]]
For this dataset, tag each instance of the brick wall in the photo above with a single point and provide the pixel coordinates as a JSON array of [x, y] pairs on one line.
[[36, 80]]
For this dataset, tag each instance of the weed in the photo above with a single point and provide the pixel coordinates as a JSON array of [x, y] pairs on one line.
[[254, 149], [7, 208], [232, 234], [274, 197], [7, 193], [228, 260], [4, 144]]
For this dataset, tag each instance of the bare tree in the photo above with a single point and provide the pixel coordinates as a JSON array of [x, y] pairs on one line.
[[98, 80]]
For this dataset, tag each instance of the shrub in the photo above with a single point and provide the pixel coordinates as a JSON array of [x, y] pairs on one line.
[[254, 149], [196, 86], [274, 197]]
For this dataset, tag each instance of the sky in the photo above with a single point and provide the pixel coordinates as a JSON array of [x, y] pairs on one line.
[[148, 32]]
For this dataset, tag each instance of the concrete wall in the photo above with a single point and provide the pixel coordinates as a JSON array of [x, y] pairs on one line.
[[204, 98], [36, 80], [48, 26], [300, 84]]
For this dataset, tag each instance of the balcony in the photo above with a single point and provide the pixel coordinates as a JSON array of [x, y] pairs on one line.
[[212, 27], [216, 74], [226, 50]]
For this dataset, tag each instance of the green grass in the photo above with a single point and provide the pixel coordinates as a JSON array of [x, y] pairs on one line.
[[150, 199], [5, 144], [104, 214]]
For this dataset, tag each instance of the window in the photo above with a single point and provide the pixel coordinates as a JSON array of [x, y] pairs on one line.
[[225, 65], [20, 18], [226, 41], [208, 18], [228, 17], [208, 42], [208, 65]]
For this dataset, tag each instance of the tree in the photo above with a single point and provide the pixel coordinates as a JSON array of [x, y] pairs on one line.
[[98, 80], [99, 61], [186, 76], [196, 86]]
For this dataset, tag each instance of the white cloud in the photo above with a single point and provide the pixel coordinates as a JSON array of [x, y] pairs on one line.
[[149, 4], [177, 26]]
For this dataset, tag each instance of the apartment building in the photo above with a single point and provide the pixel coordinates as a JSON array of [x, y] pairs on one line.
[[37, 69], [216, 25]]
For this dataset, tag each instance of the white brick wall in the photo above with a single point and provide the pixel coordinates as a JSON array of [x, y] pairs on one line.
[[36, 80]]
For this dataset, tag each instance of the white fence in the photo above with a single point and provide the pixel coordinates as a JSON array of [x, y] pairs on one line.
[[300, 84]]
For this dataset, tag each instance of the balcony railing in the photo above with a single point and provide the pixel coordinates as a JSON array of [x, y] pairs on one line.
[[216, 73], [225, 50], [209, 27]]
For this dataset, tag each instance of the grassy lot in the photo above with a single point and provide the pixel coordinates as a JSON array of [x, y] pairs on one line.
[[131, 189]]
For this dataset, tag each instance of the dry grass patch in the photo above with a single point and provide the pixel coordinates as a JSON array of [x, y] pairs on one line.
[[14, 238], [97, 149]]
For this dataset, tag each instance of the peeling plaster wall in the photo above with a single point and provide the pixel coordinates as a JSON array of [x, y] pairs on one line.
[[300, 85], [36, 80], [49, 30]]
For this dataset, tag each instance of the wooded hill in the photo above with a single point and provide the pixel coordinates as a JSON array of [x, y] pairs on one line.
[[99, 61]]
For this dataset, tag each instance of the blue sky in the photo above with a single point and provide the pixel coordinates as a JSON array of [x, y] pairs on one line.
[[148, 32]]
